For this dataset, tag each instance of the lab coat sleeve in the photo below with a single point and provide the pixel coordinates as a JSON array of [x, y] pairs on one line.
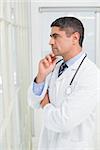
[[33, 99], [76, 108]]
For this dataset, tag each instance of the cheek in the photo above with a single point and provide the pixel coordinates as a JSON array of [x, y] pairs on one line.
[[68, 43], [63, 44], [58, 44]]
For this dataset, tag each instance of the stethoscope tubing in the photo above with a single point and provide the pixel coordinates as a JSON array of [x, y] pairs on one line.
[[77, 70]]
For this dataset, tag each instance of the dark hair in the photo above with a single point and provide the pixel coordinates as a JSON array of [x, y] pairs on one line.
[[70, 25]]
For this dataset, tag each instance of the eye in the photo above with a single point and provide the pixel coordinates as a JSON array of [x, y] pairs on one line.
[[55, 36]]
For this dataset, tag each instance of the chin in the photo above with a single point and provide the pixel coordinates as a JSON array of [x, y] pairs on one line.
[[55, 53]]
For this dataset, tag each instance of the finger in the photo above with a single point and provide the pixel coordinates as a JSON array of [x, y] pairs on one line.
[[54, 62], [48, 57], [46, 62], [53, 57]]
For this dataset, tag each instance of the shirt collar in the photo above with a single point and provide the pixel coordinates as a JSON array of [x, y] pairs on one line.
[[74, 59]]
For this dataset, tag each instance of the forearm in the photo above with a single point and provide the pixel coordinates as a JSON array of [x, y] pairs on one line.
[[35, 98]]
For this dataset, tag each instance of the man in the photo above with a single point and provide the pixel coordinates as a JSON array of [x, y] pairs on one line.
[[67, 90]]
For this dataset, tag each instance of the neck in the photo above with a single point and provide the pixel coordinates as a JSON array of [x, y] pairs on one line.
[[71, 54]]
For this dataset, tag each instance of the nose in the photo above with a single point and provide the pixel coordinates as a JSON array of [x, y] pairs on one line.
[[51, 42]]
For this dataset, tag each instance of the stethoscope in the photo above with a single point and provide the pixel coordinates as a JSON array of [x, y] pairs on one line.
[[69, 88]]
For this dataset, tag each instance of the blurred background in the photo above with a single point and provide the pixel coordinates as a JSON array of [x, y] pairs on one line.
[[24, 37]]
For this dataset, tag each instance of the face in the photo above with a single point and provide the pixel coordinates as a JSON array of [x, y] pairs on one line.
[[61, 44]]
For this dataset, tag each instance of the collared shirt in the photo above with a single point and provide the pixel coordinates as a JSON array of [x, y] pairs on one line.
[[74, 59], [38, 87]]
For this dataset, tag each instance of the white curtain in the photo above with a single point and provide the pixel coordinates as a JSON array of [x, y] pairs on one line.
[[15, 50]]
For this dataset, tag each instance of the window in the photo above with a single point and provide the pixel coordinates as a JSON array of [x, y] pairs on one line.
[[89, 21]]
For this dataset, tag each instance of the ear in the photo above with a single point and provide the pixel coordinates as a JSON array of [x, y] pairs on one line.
[[76, 37]]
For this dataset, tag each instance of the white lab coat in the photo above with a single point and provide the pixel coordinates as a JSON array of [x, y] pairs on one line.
[[69, 119]]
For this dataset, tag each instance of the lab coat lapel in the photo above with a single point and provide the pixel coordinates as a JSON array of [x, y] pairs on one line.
[[72, 69], [67, 72]]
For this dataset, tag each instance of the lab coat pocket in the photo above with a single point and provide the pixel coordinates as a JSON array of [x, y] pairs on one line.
[[77, 140], [77, 135], [83, 145]]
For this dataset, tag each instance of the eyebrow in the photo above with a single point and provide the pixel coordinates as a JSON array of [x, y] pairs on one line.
[[54, 34]]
